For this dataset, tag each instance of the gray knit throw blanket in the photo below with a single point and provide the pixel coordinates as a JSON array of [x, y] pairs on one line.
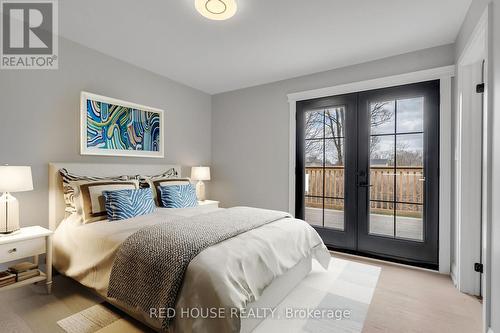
[[150, 265]]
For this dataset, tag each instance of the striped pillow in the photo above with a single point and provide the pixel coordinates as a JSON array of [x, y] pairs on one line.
[[71, 182], [125, 204], [178, 196], [153, 181], [146, 181]]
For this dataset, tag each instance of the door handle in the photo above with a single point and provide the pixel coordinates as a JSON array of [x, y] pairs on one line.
[[365, 185]]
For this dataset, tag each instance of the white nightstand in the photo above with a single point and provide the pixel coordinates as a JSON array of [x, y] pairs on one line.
[[24, 243], [211, 203]]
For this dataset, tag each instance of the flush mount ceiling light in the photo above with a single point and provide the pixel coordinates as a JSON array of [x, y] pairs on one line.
[[216, 9]]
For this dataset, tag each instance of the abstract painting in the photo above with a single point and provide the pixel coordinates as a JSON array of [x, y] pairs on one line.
[[117, 128]]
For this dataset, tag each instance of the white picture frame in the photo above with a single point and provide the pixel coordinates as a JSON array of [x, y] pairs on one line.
[[99, 149]]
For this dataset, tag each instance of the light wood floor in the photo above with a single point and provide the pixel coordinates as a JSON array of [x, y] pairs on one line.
[[415, 300], [405, 300]]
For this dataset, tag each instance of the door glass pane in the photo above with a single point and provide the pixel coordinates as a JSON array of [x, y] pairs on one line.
[[314, 187], [314, 124], [313, 196], [334, 152], [381, 168], [410, 115], [334, 214], [410, 185], [382, 117], [410, 150], [334, 183], [382, 150], [314, 153], [335, 122], [409, 222], [314, 181], [314, 211], [382, 184], [381, 218]]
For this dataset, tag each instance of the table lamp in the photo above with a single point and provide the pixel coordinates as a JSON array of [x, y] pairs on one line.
[[200, 174], [12, 179]]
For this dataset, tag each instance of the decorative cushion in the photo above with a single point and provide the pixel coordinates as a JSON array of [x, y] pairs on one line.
[[178, 196], [125, 204], [69, 187]]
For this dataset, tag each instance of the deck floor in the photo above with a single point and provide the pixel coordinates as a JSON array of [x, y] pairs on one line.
[[406, 227]]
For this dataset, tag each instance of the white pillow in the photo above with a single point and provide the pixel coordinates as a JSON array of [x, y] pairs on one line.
[[89, 201]]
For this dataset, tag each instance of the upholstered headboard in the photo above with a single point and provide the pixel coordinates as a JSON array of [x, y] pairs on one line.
[[56, 197]]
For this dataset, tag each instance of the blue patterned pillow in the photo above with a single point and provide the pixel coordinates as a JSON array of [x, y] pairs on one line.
[[178, 196], [125, 204]]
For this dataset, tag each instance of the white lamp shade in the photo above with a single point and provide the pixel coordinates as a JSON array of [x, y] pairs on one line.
[[200, 173], [15, 178]]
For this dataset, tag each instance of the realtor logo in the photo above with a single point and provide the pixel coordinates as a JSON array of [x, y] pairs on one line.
[[29, 34]]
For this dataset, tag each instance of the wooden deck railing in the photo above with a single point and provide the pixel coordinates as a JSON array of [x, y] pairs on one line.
[[406, 184]]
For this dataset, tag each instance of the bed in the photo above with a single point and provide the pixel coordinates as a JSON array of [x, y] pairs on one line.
[[254, 270]]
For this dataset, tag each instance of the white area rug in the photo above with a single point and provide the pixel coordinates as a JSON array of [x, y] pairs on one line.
[[346, 288], [89, 320]]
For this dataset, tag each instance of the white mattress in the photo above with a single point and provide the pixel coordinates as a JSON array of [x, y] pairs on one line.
[[232, 273]]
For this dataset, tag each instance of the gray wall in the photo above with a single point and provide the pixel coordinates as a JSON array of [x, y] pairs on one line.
[[474, 13], [40, 117], [250, 136]]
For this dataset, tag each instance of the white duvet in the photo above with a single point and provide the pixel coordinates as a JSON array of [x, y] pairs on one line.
[[230, 274]]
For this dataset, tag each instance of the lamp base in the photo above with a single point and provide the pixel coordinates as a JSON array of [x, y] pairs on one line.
[[8, 232], [9, 214], [200, 191]]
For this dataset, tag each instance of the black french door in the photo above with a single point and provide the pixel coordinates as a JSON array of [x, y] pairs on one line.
[[367, 176]]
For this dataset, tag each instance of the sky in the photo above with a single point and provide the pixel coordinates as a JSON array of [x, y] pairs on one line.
[[409, 119]]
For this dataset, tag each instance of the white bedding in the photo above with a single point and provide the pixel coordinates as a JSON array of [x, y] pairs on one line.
[[232, 273]]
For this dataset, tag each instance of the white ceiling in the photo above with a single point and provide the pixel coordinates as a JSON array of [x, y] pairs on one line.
[[266, 41]]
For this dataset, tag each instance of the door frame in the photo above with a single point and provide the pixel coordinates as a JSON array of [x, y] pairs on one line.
[[468, 245], [444, 74]]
